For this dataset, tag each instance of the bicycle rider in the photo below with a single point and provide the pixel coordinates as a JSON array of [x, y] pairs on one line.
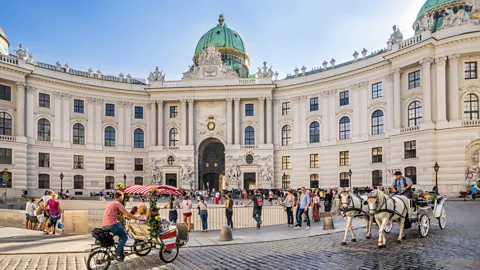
[[110, 223]]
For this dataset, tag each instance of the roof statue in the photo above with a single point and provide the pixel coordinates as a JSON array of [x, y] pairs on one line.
[[209, 66], [266, 72], [395, 37], [21, 52], [156, 76]]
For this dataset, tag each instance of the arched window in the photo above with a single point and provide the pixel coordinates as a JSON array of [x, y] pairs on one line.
[[377, 122], [43, 132], [5, 124], [110, 136], [414, 114], [377, 180], [344, 128], [173, 137], [314, 180], [78, 182], [138, 180], [138, 138], [109, 182], [411, 172], [78, 134], [470, 107], [314, 132], [43, 181], [249, 136], [286, 135]]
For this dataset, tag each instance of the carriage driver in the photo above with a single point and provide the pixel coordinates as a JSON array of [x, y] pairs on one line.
[[402, 185]]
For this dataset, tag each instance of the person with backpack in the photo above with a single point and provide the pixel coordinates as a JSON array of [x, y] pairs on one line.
[[303, 204], [257, 201], [402, 185]]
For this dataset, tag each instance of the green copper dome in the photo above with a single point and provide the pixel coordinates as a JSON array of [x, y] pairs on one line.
[[229, 43], [433, 4]]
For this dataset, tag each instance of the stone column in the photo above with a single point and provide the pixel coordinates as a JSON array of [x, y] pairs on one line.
[[30, 117], [66, 118], [276, 128], [229, 121], [427, 90], [269, 120], [332, 117], [98, 121], [183, 131], [296, 120], [237, 121], [364, 117], [388, 91], [121, 124], [261, 121], [191, 121], [356, 117], [20, 114], [453, 99], [128, 124], [441, 89], [57, 131], [160, 123], [152, 107], [303, 119], [90, 121], [325, 114], [397, 96]]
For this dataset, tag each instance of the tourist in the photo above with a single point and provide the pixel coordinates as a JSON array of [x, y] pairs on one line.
[[316, 206], [202, 211], [257, 207], [288, 204], [134, 210], [39, 215], [473, 190], [54, 214], [297, 205], [29, 211], [270, 197], [172, 206], [110, 223], [67, 194], [187, 212], [328, 203], [217, 197], [304, 203], [229, 210], [141, 214], [44, 202]]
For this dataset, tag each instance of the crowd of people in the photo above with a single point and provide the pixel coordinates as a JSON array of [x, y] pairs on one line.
[[44, 213]]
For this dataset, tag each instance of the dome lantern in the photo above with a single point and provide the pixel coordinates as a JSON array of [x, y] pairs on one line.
[[4, 44]]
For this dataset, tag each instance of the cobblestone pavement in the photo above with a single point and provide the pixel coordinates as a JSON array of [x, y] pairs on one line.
[[455, 247]]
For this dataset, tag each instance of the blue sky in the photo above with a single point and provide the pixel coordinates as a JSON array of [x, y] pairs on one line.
[[135, 36]]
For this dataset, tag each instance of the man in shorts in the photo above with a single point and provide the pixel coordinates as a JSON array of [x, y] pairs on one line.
[[28, 212], [33, 216], [43, 202]]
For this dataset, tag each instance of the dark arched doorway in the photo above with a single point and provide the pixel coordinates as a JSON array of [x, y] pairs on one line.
[[211, 164]]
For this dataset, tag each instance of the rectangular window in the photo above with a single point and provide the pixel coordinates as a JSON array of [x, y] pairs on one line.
[[470, 70], [78, 182], [286, 163], [249, 110], [138, 180], [109, 109], [314, 104], [377, 90], [285, 108], [138, 112], [43, 181], [5, 156], [377, 155], [78, 162], [173, 111], [411, 172], [5, 93], [139, 164], [314, 161], [377, 180], [414, 79], [286, 182], [44, 100], [344, 98], [410, 149], [44, 160], [344, 158], [109, 182], [109, 163], [344, 179], [78, 106]]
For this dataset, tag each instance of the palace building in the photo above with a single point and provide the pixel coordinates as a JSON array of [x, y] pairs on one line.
[[404, 107]]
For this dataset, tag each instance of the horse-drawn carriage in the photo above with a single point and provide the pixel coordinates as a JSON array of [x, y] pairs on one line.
[[384, 209]]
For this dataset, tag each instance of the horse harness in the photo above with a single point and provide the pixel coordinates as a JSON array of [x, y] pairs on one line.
[[392, 212], [353, 208]]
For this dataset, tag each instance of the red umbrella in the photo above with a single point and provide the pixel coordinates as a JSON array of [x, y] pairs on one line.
[[169, 190], [164, 190]]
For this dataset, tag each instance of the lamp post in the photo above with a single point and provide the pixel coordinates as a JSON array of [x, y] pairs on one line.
[[284, 181], [61, 182], [124, 181], [350, 177], [436, 167]]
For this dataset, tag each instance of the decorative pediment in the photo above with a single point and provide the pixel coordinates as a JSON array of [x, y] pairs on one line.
[[110, 122], [471, 88], [314, 117], [139, 124], [344, 112], [78, 117], [45, 113], [412, 96], [210, 66]]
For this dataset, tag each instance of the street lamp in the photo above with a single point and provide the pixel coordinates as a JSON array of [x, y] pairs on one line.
[[61, 182], [124, 181], [436, 167], [284, 181], [350, 177]]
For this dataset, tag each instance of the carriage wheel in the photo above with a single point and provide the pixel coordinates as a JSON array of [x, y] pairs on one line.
[[168, 255], [143, 247], [442, 220], [388, 227], [423, 225]]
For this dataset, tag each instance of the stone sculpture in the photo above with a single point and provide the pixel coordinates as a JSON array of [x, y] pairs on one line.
[[156, 76], [267, 173]]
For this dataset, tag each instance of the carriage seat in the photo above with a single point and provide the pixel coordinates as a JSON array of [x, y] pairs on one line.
[[139, 231]]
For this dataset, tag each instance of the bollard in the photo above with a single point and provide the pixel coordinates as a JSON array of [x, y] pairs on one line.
[[226, 234], [328, 223]]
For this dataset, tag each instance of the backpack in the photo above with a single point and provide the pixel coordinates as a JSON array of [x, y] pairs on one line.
[[259, 201]]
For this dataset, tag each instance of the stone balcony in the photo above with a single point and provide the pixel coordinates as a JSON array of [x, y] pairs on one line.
[[7, 138], [44, 143], [409, 129], [248, 146], [471, 123]]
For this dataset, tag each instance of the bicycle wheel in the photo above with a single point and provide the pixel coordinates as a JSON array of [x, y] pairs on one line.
[[168, 255], [142, 248], [99, 260]]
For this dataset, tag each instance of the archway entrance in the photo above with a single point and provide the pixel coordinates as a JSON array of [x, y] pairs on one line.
[[211, 164]]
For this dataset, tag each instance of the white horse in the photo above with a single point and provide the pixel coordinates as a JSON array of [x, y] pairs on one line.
[[387, 208], [351, 205]]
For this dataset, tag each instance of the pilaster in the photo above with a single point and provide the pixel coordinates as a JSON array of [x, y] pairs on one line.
[[20, 112], [440, 63]]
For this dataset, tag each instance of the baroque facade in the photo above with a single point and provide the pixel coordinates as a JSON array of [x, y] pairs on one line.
[[404, 107]]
